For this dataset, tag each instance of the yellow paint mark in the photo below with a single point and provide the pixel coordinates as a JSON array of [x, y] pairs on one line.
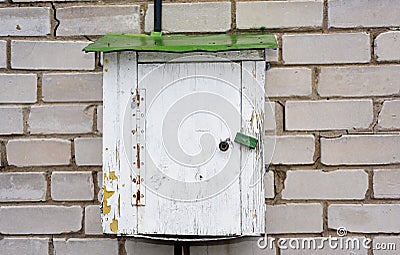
[[107, 195], [105, 70], [113, 176], [106, 61], [114, 226]]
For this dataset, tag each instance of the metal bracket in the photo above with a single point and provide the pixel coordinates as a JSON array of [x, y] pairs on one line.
[[138, 147]]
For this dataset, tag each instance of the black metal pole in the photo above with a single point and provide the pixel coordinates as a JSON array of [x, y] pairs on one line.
[[157, 15]]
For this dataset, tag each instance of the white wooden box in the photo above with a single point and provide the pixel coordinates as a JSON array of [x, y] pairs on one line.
[[165, 115]]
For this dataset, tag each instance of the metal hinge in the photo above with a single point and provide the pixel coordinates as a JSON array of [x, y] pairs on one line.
[[138, 146]]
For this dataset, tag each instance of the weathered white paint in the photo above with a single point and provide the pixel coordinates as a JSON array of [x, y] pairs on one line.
[[188, 186], [222, 56]]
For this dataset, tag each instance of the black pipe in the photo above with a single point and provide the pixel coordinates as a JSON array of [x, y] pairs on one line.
[[157, 15]]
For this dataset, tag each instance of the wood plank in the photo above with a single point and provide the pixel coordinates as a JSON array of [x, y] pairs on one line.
[[252, 162]]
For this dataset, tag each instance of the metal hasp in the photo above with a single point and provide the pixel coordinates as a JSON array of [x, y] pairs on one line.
[[246, 140], [182, 43]]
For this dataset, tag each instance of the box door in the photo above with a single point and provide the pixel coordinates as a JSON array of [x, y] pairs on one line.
[[188, 167]]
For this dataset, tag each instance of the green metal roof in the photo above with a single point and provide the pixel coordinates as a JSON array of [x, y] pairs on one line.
[[182, 43]]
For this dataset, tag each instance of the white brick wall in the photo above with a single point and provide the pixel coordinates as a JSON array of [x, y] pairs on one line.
[[386, 183], [279, 14], [294, 218], [61, 119], [38, 152], [3, 54], [41, 55], [326, 48], [88, 151], [328, 114], [290, 150], [25, 21], [11, 120], [72, 186], [23, 186], [387, 46], [335, 185], [389, 117], [92, 246], [18, 88], [31, 219], [349, 81], [361, 150], [288, 82], [72, 87], [192, 17], [363, 13], [366, 218], [332, 128], [30, 245], [98, 20]]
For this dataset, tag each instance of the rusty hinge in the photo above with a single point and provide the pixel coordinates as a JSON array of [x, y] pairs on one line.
[[138, 141]]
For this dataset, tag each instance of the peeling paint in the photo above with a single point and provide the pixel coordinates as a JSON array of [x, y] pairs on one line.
[[107, 195], [114, 226]]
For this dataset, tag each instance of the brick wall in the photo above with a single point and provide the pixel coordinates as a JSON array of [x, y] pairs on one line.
[[335, 84]]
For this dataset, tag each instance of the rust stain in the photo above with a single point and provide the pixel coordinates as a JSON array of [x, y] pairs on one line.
[[105, 70], [119, 204], [106, 61], [114, 226], [107, 195]]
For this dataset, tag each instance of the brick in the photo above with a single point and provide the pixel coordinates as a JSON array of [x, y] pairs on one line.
[[386, 245], [292, 150], [72, 186], [328, 114], [363, 13], [93, 220], [279, 14], [192, 17], [44, 219], [389, 116], [88, 246], [247, 246], [387, 46], [68, 87], [11, 120], [333, 185], [269, 119], [361, 150], [326, 48], [284, 218], [38, 152], [39, 55], [88, 151], [3, 54], [321, 246], [386, 183], [61, 119], [18, 88], [98, 20], [269, 182], [287, 82], [18, 246], [100, 186], [25, 21], [359, 81], [147, 247], [100, 119], [22, 187], [366, 218]]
